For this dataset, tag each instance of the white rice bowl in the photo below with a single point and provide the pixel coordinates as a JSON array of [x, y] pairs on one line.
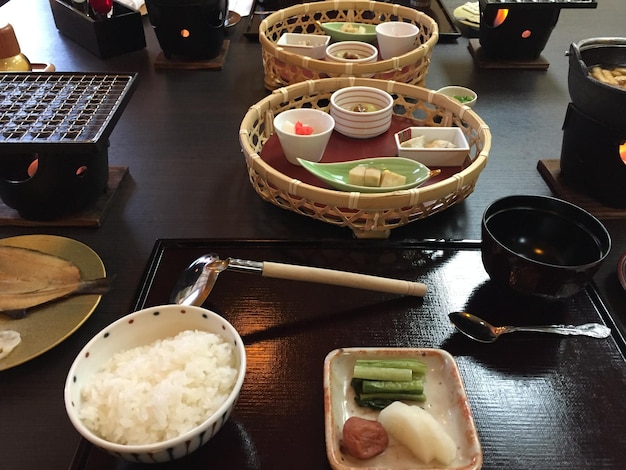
[[157, 384]]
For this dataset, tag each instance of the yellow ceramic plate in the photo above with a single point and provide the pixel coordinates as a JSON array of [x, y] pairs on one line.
[[467, 18], [46, 326], [445, 400]]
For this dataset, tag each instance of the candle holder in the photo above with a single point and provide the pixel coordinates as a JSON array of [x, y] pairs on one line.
[[520, 29]]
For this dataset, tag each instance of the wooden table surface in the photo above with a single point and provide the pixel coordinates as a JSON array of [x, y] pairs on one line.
[[187, 179]]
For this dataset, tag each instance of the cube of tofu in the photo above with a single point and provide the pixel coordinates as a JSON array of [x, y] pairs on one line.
[[356, 175], [372, 177], [390, 178], [362, 175]]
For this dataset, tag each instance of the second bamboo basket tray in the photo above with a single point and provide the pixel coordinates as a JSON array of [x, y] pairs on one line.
[[283, 67], [368, 215]]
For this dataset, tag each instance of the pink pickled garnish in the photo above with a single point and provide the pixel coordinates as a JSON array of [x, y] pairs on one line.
[[303, 129]]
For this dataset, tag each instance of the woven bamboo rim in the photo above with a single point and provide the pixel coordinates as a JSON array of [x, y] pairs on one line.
[[369, 215], [283, 67]]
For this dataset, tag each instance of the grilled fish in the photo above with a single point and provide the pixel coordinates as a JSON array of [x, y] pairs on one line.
[[29, 278]]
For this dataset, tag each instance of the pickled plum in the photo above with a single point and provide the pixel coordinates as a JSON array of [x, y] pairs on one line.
[[364, 438]]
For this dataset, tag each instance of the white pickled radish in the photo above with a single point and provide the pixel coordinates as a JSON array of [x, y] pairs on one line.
[[405, 426], [445, 447], [289, 127], [419, 431]]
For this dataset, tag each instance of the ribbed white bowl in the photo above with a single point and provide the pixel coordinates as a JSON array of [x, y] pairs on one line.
[[361, 125]]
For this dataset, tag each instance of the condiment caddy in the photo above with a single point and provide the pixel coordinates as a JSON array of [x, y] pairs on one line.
[[105, 33]]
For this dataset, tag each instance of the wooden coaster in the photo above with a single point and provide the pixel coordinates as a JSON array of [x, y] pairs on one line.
[[484, 62], [217, 63], [89, 217], [550, 170]]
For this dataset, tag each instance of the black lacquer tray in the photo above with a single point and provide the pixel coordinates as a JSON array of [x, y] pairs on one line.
[[538, 401]]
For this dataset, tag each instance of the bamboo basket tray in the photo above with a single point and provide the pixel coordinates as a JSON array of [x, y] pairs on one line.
[[283, 67], [368, 215]]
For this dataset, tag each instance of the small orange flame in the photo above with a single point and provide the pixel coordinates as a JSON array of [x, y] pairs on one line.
[[622, 152], [500, 17]]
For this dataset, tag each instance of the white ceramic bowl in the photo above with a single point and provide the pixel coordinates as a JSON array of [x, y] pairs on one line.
[[434, 157], [366, 52], [307, 147], [310, 45], [141, 328], [396, 38], [361, 125], [460, 91]]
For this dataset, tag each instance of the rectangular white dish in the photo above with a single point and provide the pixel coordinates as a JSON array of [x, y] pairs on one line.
[[434, 157], [445, 400], [310, 45]]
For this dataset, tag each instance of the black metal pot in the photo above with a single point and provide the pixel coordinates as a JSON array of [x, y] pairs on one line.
[[189, 29], [602, 102]]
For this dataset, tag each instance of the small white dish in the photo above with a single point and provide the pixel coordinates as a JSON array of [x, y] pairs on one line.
[[434, 157], [310, 45], [446, 400]]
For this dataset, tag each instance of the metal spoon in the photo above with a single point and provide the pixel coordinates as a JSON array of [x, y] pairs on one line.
[[479, 330], [196, 282]]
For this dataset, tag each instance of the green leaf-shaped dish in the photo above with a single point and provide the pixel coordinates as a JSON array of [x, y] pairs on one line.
[[335, 32], [336, 174]]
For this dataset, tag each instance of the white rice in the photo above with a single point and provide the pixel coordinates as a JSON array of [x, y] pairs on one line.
[[157, 392]]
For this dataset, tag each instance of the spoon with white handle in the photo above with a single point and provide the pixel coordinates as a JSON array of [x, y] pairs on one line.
[[479, 330], [197, 281]]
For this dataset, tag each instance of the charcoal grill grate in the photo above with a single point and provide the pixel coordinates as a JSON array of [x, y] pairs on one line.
[[60, 107]]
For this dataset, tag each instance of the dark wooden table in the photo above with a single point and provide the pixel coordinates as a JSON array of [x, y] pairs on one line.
[[179, 138]]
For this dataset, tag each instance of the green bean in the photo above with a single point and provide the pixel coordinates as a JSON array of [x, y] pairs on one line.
[[392, 397], [390, 386], [379, 382], [382, 373], [415, 365]]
